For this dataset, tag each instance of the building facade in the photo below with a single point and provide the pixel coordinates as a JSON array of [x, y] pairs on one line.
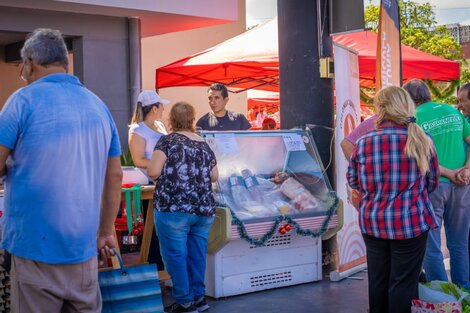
[[104, 38]]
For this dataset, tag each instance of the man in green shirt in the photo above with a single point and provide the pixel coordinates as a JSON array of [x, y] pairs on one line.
[[449, 130], [463, 96]]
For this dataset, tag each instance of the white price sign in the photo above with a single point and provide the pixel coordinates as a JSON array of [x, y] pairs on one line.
[[226, 143], [294, 142]]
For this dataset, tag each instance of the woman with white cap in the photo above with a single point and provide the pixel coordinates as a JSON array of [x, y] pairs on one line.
[[144, 132], [146, 128]]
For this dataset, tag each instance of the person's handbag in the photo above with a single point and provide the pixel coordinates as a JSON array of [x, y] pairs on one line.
[[133, 288]]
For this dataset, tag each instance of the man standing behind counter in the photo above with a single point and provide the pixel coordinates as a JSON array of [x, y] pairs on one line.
[[63, 151], [219, 118]]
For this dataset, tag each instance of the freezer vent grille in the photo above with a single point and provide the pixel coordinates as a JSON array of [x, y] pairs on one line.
[[276, 241], [271, 279]]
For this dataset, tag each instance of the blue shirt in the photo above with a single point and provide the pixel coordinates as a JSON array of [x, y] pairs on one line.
[[61, 136]]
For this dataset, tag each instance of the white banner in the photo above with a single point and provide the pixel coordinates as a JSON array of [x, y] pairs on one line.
[[351, 253]]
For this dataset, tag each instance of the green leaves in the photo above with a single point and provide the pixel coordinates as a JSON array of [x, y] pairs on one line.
[[418, 30], [126, 159]]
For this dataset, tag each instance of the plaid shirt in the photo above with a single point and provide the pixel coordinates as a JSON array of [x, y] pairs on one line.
[[395, 202]]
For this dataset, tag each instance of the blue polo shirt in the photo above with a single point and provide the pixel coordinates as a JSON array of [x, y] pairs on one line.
[[61, 136]]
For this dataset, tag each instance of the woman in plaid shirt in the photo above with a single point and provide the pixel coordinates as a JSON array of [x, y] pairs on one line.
[[395, 168]]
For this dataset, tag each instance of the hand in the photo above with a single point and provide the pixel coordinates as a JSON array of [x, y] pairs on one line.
[[354, 197], [463, 176], [456, 177], [280, 177], [106, 244]]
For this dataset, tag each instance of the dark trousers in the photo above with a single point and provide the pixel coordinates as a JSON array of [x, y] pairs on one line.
[[154, 256], [393, 272]]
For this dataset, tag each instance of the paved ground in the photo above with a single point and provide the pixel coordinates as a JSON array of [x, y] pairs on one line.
[[348, 296]]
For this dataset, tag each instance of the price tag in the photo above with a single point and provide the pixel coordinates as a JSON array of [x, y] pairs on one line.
[[294, 142], [226, 143]]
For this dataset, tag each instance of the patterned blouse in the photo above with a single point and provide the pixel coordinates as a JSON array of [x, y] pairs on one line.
[[185, 184]]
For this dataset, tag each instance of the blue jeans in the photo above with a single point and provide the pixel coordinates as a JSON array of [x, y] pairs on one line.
[[451, 205], [183, 246]]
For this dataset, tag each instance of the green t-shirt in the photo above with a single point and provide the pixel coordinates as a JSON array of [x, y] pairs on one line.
[[448, 129]]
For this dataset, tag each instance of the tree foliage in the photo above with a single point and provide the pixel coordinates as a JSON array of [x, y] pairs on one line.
[[418, 29]]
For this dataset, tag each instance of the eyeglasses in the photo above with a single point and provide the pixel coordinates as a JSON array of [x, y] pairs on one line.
[[21, 72], [22, 69]]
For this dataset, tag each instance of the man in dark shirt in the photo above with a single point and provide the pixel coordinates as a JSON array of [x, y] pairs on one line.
[[219, 118]]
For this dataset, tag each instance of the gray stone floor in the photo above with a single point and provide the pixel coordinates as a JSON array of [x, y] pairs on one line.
[[348, 296]]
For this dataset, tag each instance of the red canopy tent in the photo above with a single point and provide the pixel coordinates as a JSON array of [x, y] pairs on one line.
[[415, 64], [259, 98], [264, 103], [250, 61]]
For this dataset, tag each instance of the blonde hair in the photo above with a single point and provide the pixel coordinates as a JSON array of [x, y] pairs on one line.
[[182, 116], [395, 104]]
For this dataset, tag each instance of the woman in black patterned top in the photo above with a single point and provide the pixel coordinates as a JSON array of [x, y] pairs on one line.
[[184, 168]]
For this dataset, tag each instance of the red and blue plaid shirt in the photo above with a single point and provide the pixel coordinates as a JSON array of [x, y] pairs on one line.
[[395, 202]]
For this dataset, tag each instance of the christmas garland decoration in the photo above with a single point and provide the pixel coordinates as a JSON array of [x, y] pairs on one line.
[[438, 95], [366, 97], [441, 95], [332, 202]]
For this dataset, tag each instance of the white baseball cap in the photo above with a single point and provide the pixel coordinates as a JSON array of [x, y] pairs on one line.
[[149, 97]]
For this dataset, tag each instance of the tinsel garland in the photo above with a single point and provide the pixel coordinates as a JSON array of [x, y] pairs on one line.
[[438, 95], [332, 204], [366, 97], [442, 95]]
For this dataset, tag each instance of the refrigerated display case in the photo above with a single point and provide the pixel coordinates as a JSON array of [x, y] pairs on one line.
[[274, 201]]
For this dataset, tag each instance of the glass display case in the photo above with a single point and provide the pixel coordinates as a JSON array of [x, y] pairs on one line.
[[273, 196], [264, 174]]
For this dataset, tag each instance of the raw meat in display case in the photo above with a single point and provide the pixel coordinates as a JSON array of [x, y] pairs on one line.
[[274, 200]]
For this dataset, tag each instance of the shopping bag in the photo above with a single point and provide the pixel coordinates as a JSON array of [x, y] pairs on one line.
[[420, 306], [439, 297], [435, 294], [131, 289]]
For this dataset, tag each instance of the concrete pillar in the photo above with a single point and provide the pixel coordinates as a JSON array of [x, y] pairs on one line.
[[305, 97], [135, 62]]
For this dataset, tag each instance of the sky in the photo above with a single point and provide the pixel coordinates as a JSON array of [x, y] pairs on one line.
[[447, 11]]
